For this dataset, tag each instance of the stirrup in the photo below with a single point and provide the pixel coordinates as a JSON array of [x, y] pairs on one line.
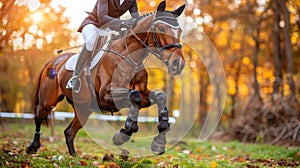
[[74, 84]]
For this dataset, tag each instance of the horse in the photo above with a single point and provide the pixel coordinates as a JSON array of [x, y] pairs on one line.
[[156, 33]]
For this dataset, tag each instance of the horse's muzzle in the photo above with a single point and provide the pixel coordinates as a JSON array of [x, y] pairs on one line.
[[176, 66]]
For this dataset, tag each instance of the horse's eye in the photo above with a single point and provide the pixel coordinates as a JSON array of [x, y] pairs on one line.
[[161, 28]]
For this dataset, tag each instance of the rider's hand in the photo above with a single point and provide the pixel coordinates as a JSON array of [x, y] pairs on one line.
[[130, 23]]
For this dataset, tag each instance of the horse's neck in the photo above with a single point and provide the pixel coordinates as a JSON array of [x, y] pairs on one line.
[[130, 45]]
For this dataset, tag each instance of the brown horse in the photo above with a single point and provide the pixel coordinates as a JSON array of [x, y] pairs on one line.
[[119, 80]]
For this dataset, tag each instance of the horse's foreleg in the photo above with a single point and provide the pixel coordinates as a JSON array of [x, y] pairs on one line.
[[39, 118], [71, 131], [131, 125], [159, 142]]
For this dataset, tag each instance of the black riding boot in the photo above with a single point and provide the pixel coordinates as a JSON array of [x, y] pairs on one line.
[[74, 82]]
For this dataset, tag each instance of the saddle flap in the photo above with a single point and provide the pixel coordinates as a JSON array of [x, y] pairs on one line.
[[101, 46]]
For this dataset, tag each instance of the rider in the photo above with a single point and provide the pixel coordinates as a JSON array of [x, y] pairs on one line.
[[105, 12]]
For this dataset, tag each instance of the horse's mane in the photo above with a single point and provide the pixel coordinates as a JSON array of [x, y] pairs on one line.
[[123, 33], [144, 16], [140, 18]]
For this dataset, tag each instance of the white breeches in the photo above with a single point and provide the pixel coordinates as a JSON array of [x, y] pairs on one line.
[[90, 33]]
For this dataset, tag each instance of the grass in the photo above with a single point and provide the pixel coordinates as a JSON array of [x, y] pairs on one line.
[[187, 153]]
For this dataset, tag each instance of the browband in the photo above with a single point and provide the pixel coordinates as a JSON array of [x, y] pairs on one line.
[[167, 23]]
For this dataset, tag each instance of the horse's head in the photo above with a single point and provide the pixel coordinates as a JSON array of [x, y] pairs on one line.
[[163, 37], [166, 35]]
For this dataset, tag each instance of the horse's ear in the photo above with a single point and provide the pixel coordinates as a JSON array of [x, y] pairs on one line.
[[162, 6], [177, 12]]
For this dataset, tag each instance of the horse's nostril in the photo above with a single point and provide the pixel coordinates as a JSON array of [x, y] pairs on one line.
[[175, 64]]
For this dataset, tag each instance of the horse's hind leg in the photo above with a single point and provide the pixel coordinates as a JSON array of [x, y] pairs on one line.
[[131, 122], [159, 142], [40, 117], [81, 116], [46, 99]]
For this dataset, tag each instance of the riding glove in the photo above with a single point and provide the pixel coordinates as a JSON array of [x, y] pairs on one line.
[[130, 23]]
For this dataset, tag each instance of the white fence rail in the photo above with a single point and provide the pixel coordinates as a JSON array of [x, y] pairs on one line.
[[59, 115]]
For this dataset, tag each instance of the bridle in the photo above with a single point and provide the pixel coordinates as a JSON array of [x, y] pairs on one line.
[[158, 52], [160, 48], [168, 46]]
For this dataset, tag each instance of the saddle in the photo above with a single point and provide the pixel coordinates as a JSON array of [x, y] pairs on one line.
[[101, 45]]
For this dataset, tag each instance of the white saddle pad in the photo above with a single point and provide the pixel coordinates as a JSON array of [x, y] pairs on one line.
[[71, 63]]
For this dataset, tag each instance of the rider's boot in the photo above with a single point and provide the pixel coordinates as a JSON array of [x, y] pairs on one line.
[[74, 82]]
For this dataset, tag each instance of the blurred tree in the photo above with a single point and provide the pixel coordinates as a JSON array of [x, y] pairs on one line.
[[244, 34], [288, 48], [30, 33], [278, 72], [151, 5]]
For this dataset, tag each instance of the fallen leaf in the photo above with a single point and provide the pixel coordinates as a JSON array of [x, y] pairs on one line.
[[213, 164], [101, 166], [205, 155], [161, 164], [15, 142], [199, 150], [56, 165], [108, 157], [213, 148], [58, 158], [198, 157], [7, 163], [42, 149], [176, 166], [219, 157], [252, 166], [35, 155], [113, 165], [25, 164], [95, 163], [186, 151], [84, 156], [241, 159], [225, 148], [83, 163]]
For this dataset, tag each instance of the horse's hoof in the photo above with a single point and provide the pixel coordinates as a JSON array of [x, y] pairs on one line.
[[33, 147], [73, 154], [31, 150], [120, 137], [158, 144], [157, 148]]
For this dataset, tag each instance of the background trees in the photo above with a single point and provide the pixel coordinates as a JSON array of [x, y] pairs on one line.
[[258, 42], [30, 31]]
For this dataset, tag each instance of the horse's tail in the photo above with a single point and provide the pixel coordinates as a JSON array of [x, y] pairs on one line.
[[35, 94]]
